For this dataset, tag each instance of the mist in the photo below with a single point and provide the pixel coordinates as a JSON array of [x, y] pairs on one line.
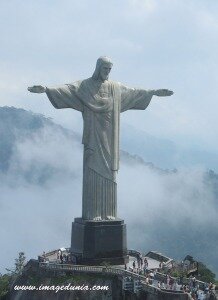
[[173, 212]]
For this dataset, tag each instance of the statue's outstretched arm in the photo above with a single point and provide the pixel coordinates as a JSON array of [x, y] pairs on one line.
[[64, 96], [134, 98], [37, 89], [161, 92]]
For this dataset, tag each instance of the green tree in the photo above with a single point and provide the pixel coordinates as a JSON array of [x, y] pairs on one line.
[[205, 274], [6, 279], [4, 285], [19, 264]]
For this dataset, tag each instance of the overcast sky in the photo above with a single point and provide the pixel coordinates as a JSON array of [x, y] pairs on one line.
[[153, 43]]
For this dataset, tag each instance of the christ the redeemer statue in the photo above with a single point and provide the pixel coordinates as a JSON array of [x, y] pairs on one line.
[[101, 101]]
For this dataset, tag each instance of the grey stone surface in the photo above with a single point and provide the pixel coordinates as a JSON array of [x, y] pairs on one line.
[[100, 101], [99, 241]]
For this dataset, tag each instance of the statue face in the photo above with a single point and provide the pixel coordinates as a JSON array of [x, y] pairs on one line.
[[105, 71]]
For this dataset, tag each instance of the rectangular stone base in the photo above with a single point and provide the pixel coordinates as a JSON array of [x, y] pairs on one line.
[[95, 242]]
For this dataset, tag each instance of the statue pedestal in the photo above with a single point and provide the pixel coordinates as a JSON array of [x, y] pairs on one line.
[[94, 242]]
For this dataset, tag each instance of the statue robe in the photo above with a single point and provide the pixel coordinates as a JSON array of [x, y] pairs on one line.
[[100, 104]]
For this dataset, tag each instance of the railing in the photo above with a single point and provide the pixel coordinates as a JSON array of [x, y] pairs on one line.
[[112, 270], [140, 279], [52, 252], [160, 257], [102, 270], [80, 268], [163, 277], [133, 253], [193, 267]]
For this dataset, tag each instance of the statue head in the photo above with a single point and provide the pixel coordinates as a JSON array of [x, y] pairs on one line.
[[103, 68]]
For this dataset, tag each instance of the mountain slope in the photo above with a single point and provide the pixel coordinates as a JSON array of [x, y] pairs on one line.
[[165, 153]]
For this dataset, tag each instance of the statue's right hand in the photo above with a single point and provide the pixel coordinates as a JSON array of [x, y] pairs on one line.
[[37, 89]]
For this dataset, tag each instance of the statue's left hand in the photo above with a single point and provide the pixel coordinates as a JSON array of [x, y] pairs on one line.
[[163, 93]]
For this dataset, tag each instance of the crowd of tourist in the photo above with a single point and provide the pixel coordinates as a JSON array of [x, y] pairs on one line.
[[60, 257], [151, 276], [140, 266], [197, 293]]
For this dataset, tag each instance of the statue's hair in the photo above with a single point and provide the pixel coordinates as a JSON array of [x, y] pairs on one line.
[[100, 61]]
